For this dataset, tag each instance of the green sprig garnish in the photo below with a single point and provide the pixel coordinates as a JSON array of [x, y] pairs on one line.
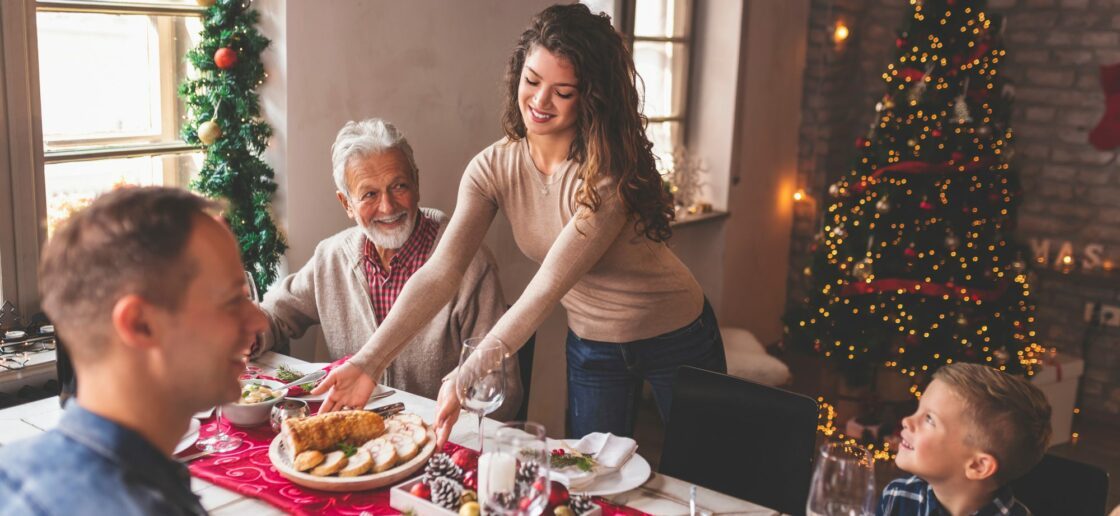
[[287, 374], [347, 449], [566, 460]]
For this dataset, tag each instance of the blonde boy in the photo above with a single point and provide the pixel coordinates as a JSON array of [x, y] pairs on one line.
[[976, 430]]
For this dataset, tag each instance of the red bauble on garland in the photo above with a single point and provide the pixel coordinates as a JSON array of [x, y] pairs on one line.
[[225, 58]]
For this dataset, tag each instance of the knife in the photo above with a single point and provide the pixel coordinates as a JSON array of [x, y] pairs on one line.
[[388, 410]]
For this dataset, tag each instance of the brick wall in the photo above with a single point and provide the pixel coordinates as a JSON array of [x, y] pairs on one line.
[[1072, 190]]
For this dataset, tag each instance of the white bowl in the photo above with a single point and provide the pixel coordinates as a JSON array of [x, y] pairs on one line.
[[256, 413]]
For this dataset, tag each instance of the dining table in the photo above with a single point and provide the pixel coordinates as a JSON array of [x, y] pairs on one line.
[[659, 495]]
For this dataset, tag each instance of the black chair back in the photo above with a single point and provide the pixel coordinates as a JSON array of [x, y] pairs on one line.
[[741, 438], [525, 362], [1062, 487]]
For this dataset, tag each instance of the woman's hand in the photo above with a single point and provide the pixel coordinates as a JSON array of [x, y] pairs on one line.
[[346, 387], [447, 411]]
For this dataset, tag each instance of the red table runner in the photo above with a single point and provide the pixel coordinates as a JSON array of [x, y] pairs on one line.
[[249, 472]]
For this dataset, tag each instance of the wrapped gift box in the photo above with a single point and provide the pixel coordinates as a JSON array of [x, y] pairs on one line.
[[1058, 380]]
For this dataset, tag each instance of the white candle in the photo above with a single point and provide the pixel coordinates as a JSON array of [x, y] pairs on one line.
[[496, 473]]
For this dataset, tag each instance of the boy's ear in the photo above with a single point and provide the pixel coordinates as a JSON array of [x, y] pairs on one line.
[[981, 466]]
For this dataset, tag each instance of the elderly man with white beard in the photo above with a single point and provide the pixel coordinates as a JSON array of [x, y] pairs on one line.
[[352, 281]]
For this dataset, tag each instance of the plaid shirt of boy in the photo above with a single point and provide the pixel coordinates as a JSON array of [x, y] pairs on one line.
[[912, 496], [386, 285]]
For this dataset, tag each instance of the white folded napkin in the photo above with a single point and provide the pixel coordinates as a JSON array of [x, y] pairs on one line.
[[610, 452]]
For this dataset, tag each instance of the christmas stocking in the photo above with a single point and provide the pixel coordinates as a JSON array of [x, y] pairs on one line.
[[1106, 136]]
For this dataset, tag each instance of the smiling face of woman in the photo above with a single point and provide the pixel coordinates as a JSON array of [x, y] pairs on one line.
[[548, 95]]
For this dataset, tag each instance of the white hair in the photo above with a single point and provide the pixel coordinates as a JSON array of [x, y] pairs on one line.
[[364, 138]]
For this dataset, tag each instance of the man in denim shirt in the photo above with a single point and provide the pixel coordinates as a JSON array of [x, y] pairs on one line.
[[146, 288]]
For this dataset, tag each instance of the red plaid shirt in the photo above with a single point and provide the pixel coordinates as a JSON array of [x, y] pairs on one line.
[[385, 286]]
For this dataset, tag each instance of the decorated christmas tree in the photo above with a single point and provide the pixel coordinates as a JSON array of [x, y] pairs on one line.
[[914, 265], [224, 116]]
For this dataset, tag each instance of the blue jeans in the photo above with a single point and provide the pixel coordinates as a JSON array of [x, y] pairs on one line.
[[605, 379]]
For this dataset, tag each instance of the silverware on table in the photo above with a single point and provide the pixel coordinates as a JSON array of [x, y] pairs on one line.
[[381, 395], [187, 458], [388, 410]]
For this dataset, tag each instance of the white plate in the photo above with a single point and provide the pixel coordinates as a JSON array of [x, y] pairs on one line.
[[278, 455], [188, 438], [630, 476]]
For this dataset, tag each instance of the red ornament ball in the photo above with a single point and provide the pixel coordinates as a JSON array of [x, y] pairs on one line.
[[860, 142], [421, 490], [470, 479], [557, 496], [910, 252], [225, 58], [466, 459], [859, 187], [900, 42], [957, 156], [926, 205], [936, 133]]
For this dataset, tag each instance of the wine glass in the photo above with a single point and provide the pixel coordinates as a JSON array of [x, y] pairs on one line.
[[513, 476], [843, 482], [481, 381], [221, 441]]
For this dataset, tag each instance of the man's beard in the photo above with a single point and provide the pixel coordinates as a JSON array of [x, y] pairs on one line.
[[389, 239]]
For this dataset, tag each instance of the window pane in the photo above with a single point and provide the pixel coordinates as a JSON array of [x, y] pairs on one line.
[[72, 186], [104, 77], [603, 6], [661, 18], [666, 136], [662, 69]]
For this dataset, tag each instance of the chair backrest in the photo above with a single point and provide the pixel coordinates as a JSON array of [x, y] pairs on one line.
[[1059, 487], [525, 362], [741, 438]]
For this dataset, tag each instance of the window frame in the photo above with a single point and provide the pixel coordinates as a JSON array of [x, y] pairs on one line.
[[23, 212]]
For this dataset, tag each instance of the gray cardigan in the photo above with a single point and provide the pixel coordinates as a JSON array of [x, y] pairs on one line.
[[331, 290]]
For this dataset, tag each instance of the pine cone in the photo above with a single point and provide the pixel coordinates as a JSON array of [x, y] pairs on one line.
[[441, 466], [501, 502], [528, 472], [446, 492], [581, 503]]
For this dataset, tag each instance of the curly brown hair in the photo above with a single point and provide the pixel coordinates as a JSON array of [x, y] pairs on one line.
[[610, 129]]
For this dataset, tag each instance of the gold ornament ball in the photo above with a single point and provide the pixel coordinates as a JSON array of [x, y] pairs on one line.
[[209, 132], [883, 206], [962, 320], [205, 3], [470, 509], [952, 242], [862, 269], [563, 510]]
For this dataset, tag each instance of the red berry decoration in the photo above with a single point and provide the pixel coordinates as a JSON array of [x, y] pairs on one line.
[[557, 496], [470, 479], [900, 42], [421, 490], [466, 459], [926, 205], [225, 58], [910, 252], [936, 133]]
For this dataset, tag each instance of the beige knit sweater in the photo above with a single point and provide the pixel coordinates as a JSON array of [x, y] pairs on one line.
[[616, 285], [331, 290]]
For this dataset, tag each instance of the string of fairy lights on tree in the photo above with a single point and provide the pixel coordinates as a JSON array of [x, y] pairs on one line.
[[914, 266], [224, 116]]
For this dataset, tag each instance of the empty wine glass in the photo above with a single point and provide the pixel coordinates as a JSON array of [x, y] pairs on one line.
[[513, 476], [843, 482], [481, 381], [221, 440]]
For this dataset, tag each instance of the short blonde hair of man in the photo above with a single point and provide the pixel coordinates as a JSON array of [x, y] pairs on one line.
[[1009, 417]]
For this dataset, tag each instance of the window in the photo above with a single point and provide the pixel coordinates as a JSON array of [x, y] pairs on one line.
[[658, 32], [108, 79]]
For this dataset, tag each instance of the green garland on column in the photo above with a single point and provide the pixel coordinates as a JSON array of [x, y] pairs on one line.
[[224, 115]]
